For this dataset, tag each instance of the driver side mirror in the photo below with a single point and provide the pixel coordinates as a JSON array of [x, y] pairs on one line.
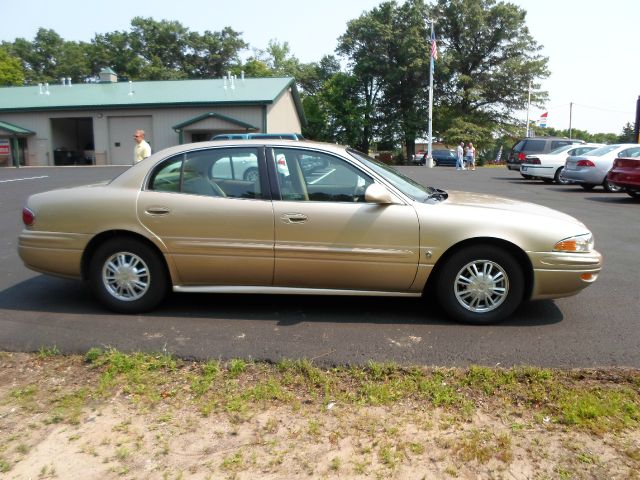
[[376, 193]]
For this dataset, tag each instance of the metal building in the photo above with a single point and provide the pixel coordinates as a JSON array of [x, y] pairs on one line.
[[66, 124]]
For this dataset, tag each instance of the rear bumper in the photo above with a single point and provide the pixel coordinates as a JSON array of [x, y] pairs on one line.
[[538, 171], [53, 253]]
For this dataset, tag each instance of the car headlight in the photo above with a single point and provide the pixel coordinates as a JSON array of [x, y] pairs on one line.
[[579, 243]]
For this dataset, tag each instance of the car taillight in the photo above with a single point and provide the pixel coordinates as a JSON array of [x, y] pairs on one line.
[[533, 161], [585, 163], [521, 157], [28, 217]]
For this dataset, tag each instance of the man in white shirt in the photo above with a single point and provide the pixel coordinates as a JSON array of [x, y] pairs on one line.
[[142, 149], [460, 157]]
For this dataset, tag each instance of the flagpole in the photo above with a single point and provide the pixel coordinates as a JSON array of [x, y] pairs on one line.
[[528, 107], [429, 161]]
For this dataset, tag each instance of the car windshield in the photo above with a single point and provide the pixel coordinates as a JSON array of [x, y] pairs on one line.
[[410, 188], [598, 152], [561, 149]]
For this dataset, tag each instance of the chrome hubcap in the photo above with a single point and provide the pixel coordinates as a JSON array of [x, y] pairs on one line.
[[481, 286], [126, 276]]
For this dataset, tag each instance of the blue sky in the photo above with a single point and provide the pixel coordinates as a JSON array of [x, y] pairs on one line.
[[593, 47]]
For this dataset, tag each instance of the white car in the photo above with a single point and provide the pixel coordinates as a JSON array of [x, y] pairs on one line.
[[549, 167]]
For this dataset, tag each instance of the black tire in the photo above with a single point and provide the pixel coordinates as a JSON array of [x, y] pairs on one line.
[[480, 297], [128, 276], [559, 177], [633, 193], [587, 187], [610, 187]]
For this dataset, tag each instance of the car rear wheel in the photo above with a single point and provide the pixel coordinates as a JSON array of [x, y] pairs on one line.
[[633, 194], [587, 187], [251, 175], [480, 285], [559, 177], [610, 187], [128, 276]]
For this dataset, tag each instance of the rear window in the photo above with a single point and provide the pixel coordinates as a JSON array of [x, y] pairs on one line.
[[632, 152], [560, 143], [533, 145]]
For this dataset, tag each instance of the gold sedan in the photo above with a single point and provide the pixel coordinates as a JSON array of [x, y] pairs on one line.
[[273, 216]]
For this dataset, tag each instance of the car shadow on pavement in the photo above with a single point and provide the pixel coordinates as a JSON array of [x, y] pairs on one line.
[[59, 296]]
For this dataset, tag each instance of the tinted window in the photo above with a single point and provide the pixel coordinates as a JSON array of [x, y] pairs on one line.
[[534, 146], [227, 172], [559, 143], [319, 177]]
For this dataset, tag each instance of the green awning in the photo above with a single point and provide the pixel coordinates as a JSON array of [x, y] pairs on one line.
[[15, 129], [234, 121]]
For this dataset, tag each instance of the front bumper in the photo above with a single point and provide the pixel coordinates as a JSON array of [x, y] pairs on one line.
[[561, 274]]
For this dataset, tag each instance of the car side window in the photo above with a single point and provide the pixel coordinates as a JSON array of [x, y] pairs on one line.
[[226, 172], [167, 176], [305, 175]]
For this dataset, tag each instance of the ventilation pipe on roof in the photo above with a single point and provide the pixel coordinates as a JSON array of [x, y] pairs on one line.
[[40, 87], [46, 89], [131, 92], [63, 81], [242, 76], [69, 81]]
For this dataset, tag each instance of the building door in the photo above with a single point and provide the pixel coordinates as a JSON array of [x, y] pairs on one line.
[[121, 143]]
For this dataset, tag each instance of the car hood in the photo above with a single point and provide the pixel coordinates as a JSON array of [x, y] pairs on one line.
[[492, 204]]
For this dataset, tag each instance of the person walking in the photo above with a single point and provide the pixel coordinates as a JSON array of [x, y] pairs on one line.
[[460, 157], [470, 157], [142, 149]]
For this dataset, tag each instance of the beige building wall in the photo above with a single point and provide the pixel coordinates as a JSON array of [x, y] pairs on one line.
[[282, 116], [40, 148]]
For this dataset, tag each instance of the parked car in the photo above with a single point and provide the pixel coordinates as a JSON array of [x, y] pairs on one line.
[[441, 157], [625, 172], [590, 170], [535, 145], [183, 221], [548, 167], [256, 136]]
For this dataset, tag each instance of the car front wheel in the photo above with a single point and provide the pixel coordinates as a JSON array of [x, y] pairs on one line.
[[480, 285], [128, 276]]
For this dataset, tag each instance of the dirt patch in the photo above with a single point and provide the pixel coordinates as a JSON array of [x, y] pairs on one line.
[[61, 417]]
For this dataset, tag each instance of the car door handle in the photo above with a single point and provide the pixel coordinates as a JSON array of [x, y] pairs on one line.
[[156, 211], [294, 218]]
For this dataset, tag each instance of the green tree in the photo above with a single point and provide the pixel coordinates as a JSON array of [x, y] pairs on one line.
[[366, 46], [488, 58], [627, 135], [11, 72]]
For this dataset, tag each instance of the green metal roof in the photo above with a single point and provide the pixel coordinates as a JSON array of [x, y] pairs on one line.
[[14, 129], [249, 91]]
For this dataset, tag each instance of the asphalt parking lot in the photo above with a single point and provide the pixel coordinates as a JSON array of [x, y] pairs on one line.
[[597, 328]]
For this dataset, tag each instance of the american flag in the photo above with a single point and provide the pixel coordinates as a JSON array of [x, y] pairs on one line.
[[434, 47]]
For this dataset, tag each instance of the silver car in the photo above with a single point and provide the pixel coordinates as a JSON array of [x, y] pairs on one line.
[[590, 170]]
